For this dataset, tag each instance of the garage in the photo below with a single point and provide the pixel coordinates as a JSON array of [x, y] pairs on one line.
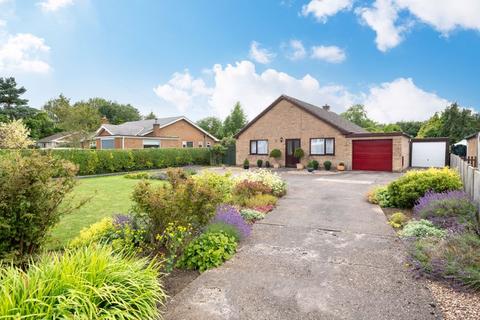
[[373, 155], [429, 152]]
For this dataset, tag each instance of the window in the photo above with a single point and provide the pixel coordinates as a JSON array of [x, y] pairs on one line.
[[259, 147], [208, 144], [200, 144], [322, 146], [108, 143], [187, 144], [151, 144]]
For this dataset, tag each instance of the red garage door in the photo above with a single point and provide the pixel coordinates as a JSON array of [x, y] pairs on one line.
[[375, 155]]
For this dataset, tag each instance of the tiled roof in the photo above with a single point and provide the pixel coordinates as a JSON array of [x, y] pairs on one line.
[[137, 128]]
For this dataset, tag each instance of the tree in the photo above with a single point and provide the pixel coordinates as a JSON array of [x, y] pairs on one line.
[[58, 109], [358, 115], [116, 113], [410, 127], [41, 126], [83, 119], [212, 125], [150, 116], [10, 94], [235, 121], [14, 135]]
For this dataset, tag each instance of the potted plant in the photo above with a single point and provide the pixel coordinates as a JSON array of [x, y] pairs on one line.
[[276, 154], [341, 166], [246, 164], [267, 164], [315, 164], [327, 164], [259, 163], [310, 167], [299, 154]]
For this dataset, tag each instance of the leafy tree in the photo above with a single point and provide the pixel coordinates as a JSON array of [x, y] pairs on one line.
[[410, 127], [235, 121], [41, 126], [58, 109], [150, 116], [391, 127], [14, 135], [358, 115], [116, 113], [10, 94], [454, 122], [212, 125]]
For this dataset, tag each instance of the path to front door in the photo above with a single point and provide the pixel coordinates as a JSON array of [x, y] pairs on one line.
[[290, 146], [324, 253]]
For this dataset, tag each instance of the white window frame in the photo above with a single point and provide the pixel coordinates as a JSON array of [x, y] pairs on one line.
[[324, 151]]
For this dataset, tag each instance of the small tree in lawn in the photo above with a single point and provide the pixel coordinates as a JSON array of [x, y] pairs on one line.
[[31, 190], [14, 135]]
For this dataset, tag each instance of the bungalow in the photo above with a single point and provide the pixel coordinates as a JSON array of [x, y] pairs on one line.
[[56, 140], [289, 123], [172, 132]]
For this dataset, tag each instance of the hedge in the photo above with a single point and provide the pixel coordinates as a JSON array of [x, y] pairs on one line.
[[108, 161]]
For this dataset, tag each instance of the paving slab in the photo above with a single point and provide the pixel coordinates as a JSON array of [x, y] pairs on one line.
[[323, 253]]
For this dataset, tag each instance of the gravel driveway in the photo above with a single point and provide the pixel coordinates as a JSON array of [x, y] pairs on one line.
[[324, 253]]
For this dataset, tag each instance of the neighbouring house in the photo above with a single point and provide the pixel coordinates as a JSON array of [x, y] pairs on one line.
[[472, 148], [289, 123], [56, 140], [172, 132]]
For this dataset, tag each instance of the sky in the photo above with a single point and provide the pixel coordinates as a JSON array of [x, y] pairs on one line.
[[402, 59]]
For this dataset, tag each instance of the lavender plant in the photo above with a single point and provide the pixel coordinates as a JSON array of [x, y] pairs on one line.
[[431, 196], [230, 215]]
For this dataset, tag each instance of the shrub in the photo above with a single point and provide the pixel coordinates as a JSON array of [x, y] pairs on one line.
[[248, 188], [275, 153], [99, 232], [208, 251], [381, 196], [327, 165], [222, 185], [299, 153], [246, 163], [188, 203], [270, 179], [454, 258], [406, 190], [259, 163], [173, 240], [137, 175], [421, 229], [230, 215], [267, 164], [176, 176], [452, 210], [109, 161], [315, 164], [31, 191], [264, 209], [397, 220], [260, 200], [225, 228], [85, 283], [252, 215]]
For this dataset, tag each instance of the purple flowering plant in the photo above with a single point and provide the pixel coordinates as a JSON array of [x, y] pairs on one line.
[[230, 215], [431, 196]]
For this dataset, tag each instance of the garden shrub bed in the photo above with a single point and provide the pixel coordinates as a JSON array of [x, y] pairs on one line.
[[91, 162]]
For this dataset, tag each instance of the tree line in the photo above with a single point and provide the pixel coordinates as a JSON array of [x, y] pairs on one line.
[[454, 122]]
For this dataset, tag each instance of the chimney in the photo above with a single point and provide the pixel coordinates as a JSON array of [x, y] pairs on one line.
[[104, 120], [156, 128], [326, 107]]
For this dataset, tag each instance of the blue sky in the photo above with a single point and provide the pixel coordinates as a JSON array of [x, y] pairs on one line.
[[404, 59]]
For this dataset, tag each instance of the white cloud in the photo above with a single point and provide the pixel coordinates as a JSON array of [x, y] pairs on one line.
[[445, 15], [322, 9], [400, 100], [24, 52], [382, 19], [181, 90], [54, 5], [330, 54], [297, 50], [241, 82], [259, 54]]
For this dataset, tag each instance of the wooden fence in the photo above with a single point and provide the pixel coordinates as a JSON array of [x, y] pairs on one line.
[[470, 177]]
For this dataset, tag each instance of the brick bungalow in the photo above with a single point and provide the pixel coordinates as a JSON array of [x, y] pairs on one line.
[[289, 123], [172, 132]]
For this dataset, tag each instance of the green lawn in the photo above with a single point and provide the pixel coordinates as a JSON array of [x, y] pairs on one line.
[[108, 196]]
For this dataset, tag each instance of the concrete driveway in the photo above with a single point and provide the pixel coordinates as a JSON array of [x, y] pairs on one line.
[[324, 253]]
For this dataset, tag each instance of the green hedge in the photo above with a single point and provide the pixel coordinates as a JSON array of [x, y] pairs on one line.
[[108, 161]]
